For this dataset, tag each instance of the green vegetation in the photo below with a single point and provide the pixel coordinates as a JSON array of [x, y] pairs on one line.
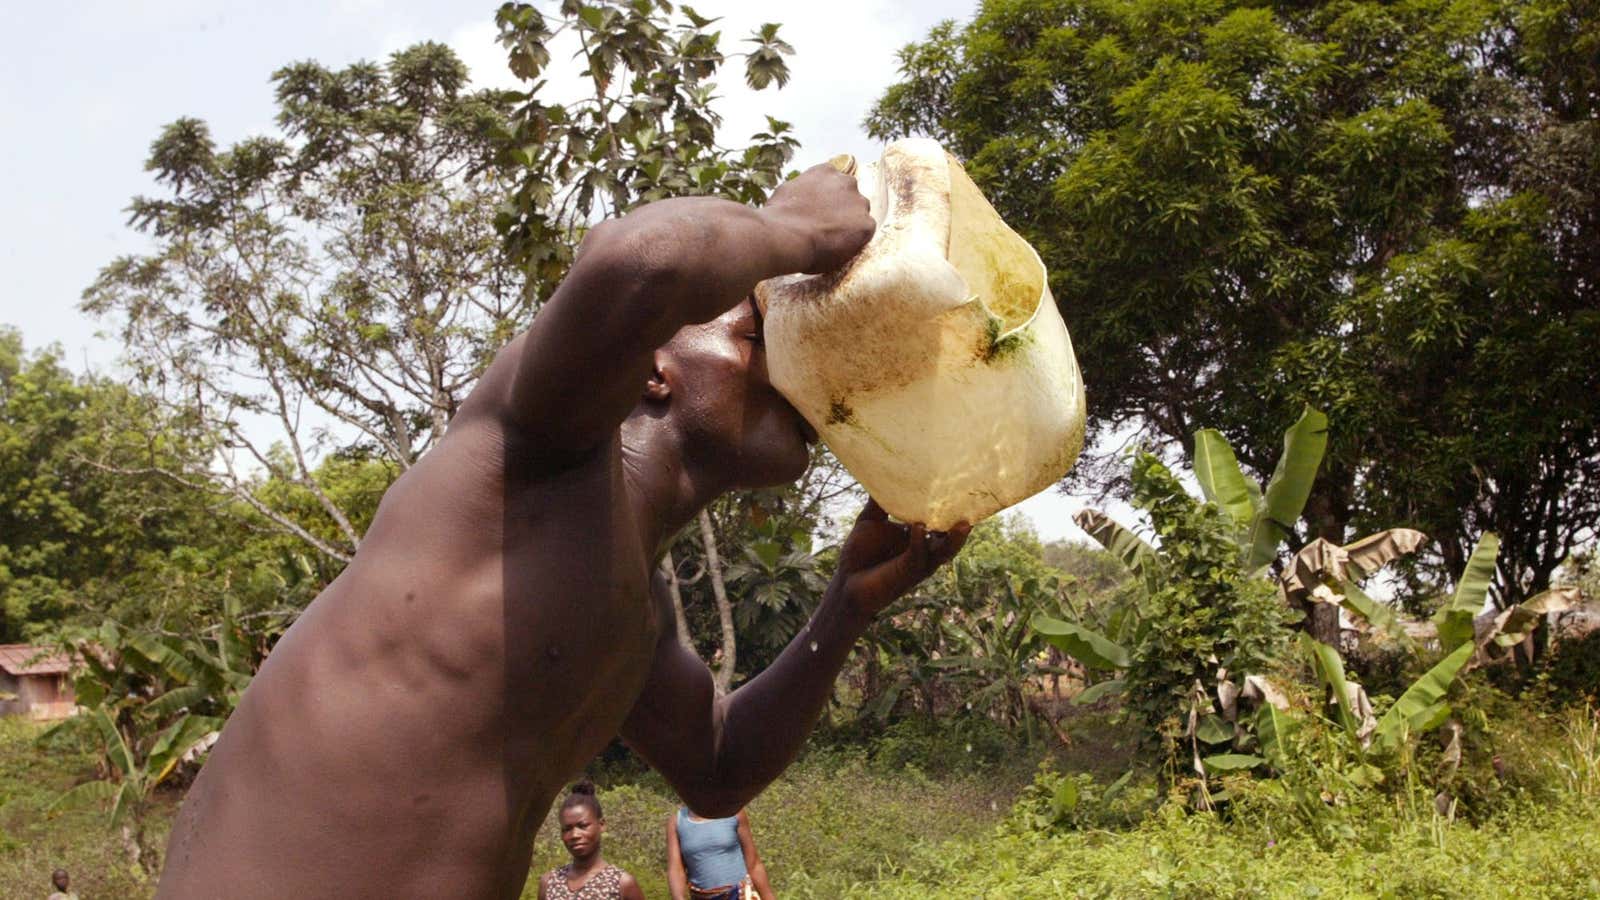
[[1385, 210], [855, 820]]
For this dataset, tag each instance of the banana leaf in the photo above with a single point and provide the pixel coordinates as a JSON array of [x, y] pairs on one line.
[[1221, 479], [1418, 709], [1214, 729], [1088, 647], [1303, 446], [1138, 556], [172, 743], [1375, 551], [1455, 618], [1273, 727], [167, 660], [1377, 613], [116, 746], [90, 793], [1096, 691], [1330, 668], [1231, 762], [1515, 624], [177, 699]]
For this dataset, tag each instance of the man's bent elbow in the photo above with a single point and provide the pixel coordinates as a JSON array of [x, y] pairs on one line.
[[717, 802]]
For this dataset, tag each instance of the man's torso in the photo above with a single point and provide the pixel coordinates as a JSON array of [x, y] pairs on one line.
[[489, 638]]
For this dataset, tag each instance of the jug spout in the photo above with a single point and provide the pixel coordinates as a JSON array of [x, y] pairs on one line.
[[935, 365]]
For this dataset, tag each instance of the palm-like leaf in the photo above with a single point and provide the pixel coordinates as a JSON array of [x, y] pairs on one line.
[[1287, 491], [1091, 648], [1420, 709], [1221, 479], [1455, 618]]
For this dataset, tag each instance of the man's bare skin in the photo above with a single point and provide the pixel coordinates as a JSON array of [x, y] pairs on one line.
[[501, 621]]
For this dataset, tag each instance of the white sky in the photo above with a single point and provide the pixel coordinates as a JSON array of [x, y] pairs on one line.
[[86, 86]]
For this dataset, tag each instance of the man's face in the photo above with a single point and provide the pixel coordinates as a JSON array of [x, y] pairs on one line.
[[735, 420]]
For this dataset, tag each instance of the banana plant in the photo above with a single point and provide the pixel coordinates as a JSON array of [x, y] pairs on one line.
[[1323, 571], [1263, 519], [138, 764], [1456, 620]]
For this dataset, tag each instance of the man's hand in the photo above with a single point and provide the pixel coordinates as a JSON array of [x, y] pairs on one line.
[[881, 560], [823, 208]]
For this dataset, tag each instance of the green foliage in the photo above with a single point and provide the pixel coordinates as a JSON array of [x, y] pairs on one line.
[[963, 639], [954, 745], [1455, 618], [78, 533], [1387, 211], [1572, 670], [1205, 612], [645, 130], [1543, 850], [156, 701], [1057, 802]]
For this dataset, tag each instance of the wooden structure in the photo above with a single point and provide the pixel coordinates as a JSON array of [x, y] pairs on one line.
[[40, 681]]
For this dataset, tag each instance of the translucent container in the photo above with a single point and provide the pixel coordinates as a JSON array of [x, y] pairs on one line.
[[935, 365]]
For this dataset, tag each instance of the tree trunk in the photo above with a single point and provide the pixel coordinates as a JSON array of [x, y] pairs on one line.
[[1326, 515], [724, 672], [670, 569], [144, 859]]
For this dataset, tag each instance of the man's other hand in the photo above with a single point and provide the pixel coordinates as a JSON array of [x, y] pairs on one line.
[[881, 560]]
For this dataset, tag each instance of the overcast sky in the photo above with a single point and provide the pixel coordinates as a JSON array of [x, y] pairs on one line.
[[88, 85]]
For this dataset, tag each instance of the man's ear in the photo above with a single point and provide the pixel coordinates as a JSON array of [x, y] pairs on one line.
[[658, 387]]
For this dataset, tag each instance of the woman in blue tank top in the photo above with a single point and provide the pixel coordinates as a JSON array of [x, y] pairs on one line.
[[714, 859]]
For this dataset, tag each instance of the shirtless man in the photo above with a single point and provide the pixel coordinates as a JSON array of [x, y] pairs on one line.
[[503, 619]]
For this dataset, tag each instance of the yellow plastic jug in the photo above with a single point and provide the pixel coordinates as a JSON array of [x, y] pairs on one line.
[[935, 364]]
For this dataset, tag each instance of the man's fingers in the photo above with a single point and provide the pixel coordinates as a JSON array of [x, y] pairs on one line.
[[945, 545]]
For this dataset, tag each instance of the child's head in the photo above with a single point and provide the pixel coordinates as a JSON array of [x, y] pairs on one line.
[[581, 821]]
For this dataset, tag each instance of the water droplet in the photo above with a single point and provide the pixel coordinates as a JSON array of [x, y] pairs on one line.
[[813, 646]]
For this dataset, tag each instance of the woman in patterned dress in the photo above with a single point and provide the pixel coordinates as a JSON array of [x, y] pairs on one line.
[[587, 877]]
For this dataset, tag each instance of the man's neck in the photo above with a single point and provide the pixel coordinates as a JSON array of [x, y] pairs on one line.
[[667, 491]]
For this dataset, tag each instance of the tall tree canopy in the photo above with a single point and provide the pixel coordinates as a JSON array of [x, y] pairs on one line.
[[1386, 210], [326, 299], [77, 537]]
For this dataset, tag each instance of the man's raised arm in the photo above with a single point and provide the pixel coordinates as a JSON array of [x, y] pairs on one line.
[[719, 752], [564, 384]]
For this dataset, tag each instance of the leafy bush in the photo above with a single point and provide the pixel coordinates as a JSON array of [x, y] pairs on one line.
[[1207, 612], [1544, 850], [1572, 669], [1057, 801], [956, 745]]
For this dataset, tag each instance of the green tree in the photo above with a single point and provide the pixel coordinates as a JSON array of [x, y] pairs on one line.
[[76, 536], [646, 129], [1384, 210], [336, 289], [335, 292]]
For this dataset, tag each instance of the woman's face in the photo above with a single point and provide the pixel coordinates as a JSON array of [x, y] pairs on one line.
[[581, 830]]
